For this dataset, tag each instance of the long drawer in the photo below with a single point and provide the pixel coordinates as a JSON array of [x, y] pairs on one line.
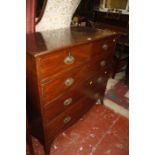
[[62, 60], [64, 82], [66, 119]]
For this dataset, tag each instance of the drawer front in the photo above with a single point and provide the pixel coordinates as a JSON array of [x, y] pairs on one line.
[[67, 118], [98, 65], [95, 86], [61, 104], [104, 48], [62, 60], [64, 82]]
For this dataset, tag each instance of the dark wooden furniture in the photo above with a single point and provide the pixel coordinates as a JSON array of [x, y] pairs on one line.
[[85, 9], [67, 72], [121, 56], [120, 24]]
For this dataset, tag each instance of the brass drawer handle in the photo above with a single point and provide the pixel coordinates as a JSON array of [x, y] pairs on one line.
[[103, 63], [90, 82], [69, 59], [105, 72], [67, 119], [68, 101], [96, 95], [99, 79], [68, 82], [105, 46], [114, 40], [89, 38]]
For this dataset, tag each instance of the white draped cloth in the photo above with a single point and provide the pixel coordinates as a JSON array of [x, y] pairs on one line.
[[57, 14]]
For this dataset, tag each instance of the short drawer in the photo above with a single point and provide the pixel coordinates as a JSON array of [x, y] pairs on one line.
[[95, 86], [67, 118], [59, 61], [61, 104], [104, 48], [63, 83], [98, 64]]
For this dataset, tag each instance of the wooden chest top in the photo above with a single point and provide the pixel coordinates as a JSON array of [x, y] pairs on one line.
[[41, 43]]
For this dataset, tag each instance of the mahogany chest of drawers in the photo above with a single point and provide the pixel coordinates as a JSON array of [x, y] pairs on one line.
[[67, 72]]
